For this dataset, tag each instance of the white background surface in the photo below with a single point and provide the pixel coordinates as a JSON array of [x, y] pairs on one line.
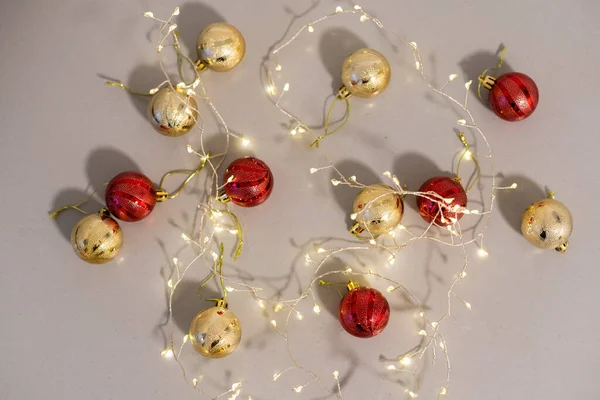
[[71, 330]]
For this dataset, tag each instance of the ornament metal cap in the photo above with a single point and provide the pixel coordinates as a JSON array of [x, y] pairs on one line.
[[487, 81], [563, 247], [356, 229], [343, 93], [200, 65], [222, 303], [161, 195], [222, 196], [352, 285]]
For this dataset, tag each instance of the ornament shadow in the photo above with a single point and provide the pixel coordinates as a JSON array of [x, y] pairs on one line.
[[474, 64], [345, 195], [104, 163], [335, 45], [66, 220], [413, 169], [192, 20], [512, 203], [188, 300]]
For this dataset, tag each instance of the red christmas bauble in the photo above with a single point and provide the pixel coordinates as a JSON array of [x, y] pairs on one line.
[[514, 96], [130, 196], [448, 188], [364, 312], [248, 182]]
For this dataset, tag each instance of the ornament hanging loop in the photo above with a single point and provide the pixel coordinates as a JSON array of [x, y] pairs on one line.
[[486, 80], [75, 206], [327, 132], [162, 194]]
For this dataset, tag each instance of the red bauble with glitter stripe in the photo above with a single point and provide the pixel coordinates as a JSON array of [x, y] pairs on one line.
[[130, 196], [248, 182], [514, 96], [364, 312], [429, 205]]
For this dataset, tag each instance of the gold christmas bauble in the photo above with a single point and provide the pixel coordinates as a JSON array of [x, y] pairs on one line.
[[547, 224], [172, 112], [97, 238], [220, 47], [378, 209], [366, 73], [215, 332]]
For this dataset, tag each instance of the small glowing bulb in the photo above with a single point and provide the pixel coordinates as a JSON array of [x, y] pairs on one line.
[[317, 309], [353, 216], [363, 18], [214, 255], [336, 375], [159, 48], [195, 382], [229, 288], [233, 231], [276, 376], [434, 324], [452, 77], [388, 174], [286, 87], [393, 234], [293, 132], [412, 394], [392, 259], [373, 242], [167, 353], [390, 289], [402, 227], [277, 307], [443, 391], [475, 212], [278, 67], [422, 332], [321, 250], [236, 386], [189, 149], [468, 155], [335, 182], [149, 14], [185, 237], [298, 389], [413, 45], [417, 65], [172, 28], [348, 270], [274, 323], [468, 85], [170, 283], [176, 11], [271, 90], [339, 9], [396, 181], [152, 91], [392, 368], [307, 258], [175, 261], [463, 274], [311, 29], [219, 228], [461, 122], [352, 178], [185, 338], [468, 305], [442, 346], [299, 316], [482, 253], [261, 304], [406, 361], [313, 170], [421, 314], [357, 7], [513, 186], [245, 142]]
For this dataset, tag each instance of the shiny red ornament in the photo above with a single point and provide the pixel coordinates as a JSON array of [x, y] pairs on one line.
[[514, 96], [448, 188], [247, 182], [364, 312], [130, 196]]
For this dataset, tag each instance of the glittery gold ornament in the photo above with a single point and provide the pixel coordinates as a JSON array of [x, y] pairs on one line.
[[220, 47], [378, 210], [215, 332], [172, 112], [547, 224], [365, 73], [97, 238]]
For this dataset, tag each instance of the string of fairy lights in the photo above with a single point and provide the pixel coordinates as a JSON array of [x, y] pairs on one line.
[[211, 213]]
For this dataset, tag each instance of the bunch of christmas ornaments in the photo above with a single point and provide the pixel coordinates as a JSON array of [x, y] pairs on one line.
[[247, 182]]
